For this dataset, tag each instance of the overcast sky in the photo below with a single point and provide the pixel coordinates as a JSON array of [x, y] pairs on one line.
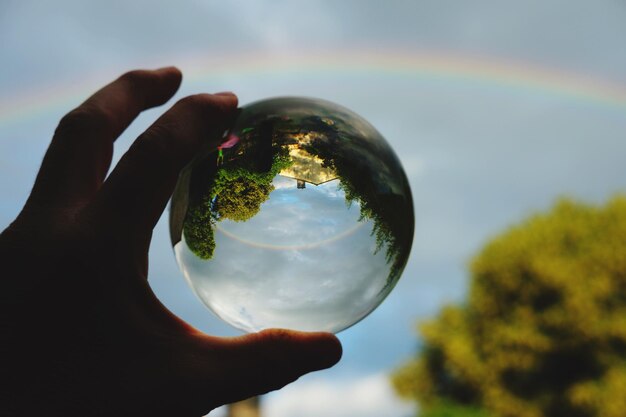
[[495, 108]]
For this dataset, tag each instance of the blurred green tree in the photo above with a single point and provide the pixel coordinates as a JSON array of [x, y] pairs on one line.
[[543, 332]]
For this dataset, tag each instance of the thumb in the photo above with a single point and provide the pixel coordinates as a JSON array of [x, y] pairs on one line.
[[261, 362]]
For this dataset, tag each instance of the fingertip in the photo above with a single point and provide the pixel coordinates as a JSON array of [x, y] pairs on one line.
[[167, 68], [229, 96], [173, 75], [149, 88], [329, 348], [318, 350]]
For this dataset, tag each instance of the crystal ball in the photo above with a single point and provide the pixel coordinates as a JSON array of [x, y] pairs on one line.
[[302, 218]]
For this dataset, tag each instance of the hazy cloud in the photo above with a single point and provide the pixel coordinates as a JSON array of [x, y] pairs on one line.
[[369, 396]]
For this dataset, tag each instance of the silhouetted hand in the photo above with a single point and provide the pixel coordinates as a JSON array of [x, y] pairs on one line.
[[81, 331]]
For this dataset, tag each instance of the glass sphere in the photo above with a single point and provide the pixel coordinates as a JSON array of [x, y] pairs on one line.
[[301, 219]]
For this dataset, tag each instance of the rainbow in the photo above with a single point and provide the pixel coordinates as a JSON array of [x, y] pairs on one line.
[[307, 246], [427, 65]]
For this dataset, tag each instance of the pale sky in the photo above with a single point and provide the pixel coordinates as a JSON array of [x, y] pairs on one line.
[[495, 108]]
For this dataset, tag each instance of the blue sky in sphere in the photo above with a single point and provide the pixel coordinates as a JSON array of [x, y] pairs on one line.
[[495, 108]]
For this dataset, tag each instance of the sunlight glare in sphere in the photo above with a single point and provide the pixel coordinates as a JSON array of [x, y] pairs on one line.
[[301, 219]]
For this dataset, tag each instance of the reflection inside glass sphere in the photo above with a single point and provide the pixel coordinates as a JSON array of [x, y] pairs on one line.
[[301, 219]]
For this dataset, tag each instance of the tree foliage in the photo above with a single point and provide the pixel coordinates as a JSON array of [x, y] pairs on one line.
[[198, 231], [234, 191], [239, 195], [543, 332], [364, 182], [238, 192]]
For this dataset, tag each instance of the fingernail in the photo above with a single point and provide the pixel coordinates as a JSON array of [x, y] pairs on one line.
[[225, 93], [167, 69], [327, 351]]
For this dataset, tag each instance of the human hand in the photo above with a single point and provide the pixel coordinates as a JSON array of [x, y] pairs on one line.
[[81, 331]]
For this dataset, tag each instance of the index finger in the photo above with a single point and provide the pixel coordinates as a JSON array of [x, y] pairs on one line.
[[80, 153]]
